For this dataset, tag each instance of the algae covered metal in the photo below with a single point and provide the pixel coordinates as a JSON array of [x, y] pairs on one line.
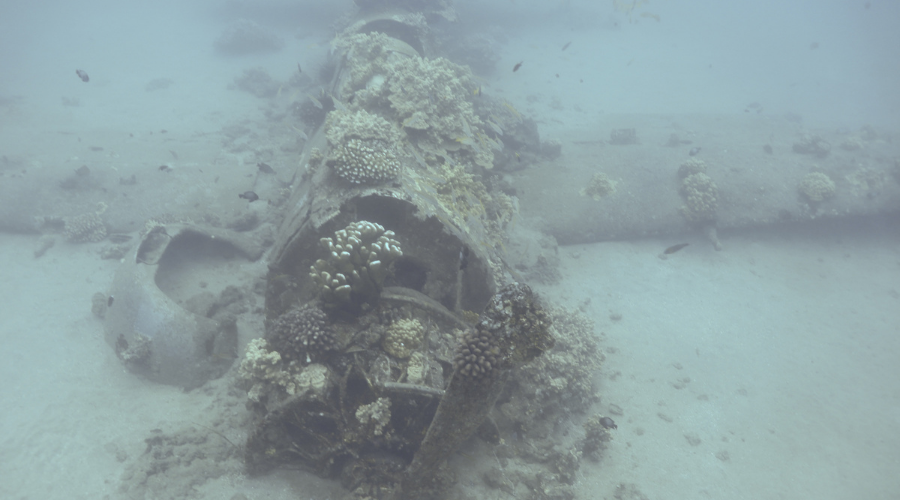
[[512, 331]]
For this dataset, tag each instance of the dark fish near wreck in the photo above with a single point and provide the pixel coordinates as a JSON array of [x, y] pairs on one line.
[[608, 423], [265, 168], [674, 248], [249, 196], [81, 74], [517, 66]]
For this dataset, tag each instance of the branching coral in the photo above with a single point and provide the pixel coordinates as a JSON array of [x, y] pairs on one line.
[[375, 416], [303, 334], [700, 198], [269, 380], [478, 355], [261, 369], [599, 186], [816, 187], [429, 98], [402, 337], [700, 193], [358, 261], [85, 228], [365, 162]]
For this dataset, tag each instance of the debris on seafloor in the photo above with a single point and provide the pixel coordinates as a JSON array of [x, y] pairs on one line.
[[44, 243], [623, 136], [674, 248]]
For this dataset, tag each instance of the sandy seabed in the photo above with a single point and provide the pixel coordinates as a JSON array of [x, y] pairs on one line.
[[765, 370]]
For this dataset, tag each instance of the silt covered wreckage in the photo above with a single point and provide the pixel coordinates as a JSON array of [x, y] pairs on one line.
[[395, 330], [394, 327]]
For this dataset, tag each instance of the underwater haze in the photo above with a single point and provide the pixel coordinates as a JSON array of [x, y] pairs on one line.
[[713, 186]]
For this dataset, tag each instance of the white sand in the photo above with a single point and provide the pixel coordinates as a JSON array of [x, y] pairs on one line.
[[778, 353], [71, 410]]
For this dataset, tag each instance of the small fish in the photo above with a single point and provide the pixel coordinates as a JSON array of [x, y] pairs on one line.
[[674, 248], [477, 91], [165, 168], [412, 121], [301, 133], [694, 151], [512, 109], [448, 160], [496, 128], [466, 129], [250, 196], [418, 157], [298, 68], [315, 101], [468, 141], [109, 301], [608, 423], [338, 105], [81, 74], [517, 66], [566, 46], [264, 168]]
